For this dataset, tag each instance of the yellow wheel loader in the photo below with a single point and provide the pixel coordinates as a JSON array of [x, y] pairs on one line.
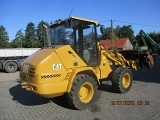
[[74, 63]]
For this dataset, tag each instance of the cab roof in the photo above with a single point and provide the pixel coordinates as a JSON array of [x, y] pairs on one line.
[[76, 18], [83, 19]]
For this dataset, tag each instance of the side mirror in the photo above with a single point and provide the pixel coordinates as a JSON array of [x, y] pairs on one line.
[[102, 29]]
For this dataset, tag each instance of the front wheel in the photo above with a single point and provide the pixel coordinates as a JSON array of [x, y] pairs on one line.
[[83, 92], [122, 80]]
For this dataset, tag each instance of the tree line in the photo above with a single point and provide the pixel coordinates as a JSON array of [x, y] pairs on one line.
[[34, 37], [126, 31]]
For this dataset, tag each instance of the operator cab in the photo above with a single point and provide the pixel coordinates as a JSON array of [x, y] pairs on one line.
[[80, 34]]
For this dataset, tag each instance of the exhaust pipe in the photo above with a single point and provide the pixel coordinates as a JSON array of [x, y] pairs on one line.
[[48, 39]]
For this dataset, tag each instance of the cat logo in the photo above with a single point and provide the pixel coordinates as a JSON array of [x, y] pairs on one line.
[[57, 66], [25, 68]]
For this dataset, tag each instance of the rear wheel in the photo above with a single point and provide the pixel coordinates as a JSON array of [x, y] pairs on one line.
[[83, 92], [11, 67], [122, 80]]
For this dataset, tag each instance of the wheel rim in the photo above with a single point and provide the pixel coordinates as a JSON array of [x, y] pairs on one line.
[[126, 80], [11, 67], [86, 92]]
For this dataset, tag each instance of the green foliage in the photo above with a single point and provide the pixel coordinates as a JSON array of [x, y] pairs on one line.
[[155, 36], [35, 37], [126, 32], [30, 36], [18, 41], [119, 32], [3, 38], [41, 34], [116, 31], [108, 34]]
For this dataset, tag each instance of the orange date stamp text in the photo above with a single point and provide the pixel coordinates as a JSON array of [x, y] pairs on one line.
[[130, 102]]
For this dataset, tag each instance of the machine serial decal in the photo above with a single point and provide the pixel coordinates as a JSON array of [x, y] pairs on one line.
[[50, 76], [57, 66]]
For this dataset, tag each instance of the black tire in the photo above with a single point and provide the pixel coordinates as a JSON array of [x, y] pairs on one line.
[[11, 67], [83, 92], [121, 80]]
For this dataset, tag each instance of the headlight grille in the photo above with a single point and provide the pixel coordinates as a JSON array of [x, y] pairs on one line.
[[32, 72]]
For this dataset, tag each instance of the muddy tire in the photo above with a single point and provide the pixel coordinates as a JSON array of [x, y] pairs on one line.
[[83, 92], [11, 67], [122, 80]]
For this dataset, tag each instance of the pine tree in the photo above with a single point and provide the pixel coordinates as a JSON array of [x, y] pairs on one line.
[[18, 41], [41, 34], [3, 37], [30, 36], [126, 32]]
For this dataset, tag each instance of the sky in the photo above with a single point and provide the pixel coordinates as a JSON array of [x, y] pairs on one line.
[[141, 14]]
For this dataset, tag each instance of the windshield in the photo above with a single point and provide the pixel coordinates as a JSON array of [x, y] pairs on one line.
[[71, 32], [61, 35]]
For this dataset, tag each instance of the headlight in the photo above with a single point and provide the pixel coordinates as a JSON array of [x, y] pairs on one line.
[[26, 68]]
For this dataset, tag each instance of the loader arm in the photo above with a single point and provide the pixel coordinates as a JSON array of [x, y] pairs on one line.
[[118, 59]]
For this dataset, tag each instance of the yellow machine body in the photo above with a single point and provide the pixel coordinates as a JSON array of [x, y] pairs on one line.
[[50, 72]]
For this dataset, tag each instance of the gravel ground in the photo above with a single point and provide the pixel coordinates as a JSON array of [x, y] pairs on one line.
[[142, 102]]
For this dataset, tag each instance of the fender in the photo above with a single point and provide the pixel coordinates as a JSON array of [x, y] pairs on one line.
[[79, 70]]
